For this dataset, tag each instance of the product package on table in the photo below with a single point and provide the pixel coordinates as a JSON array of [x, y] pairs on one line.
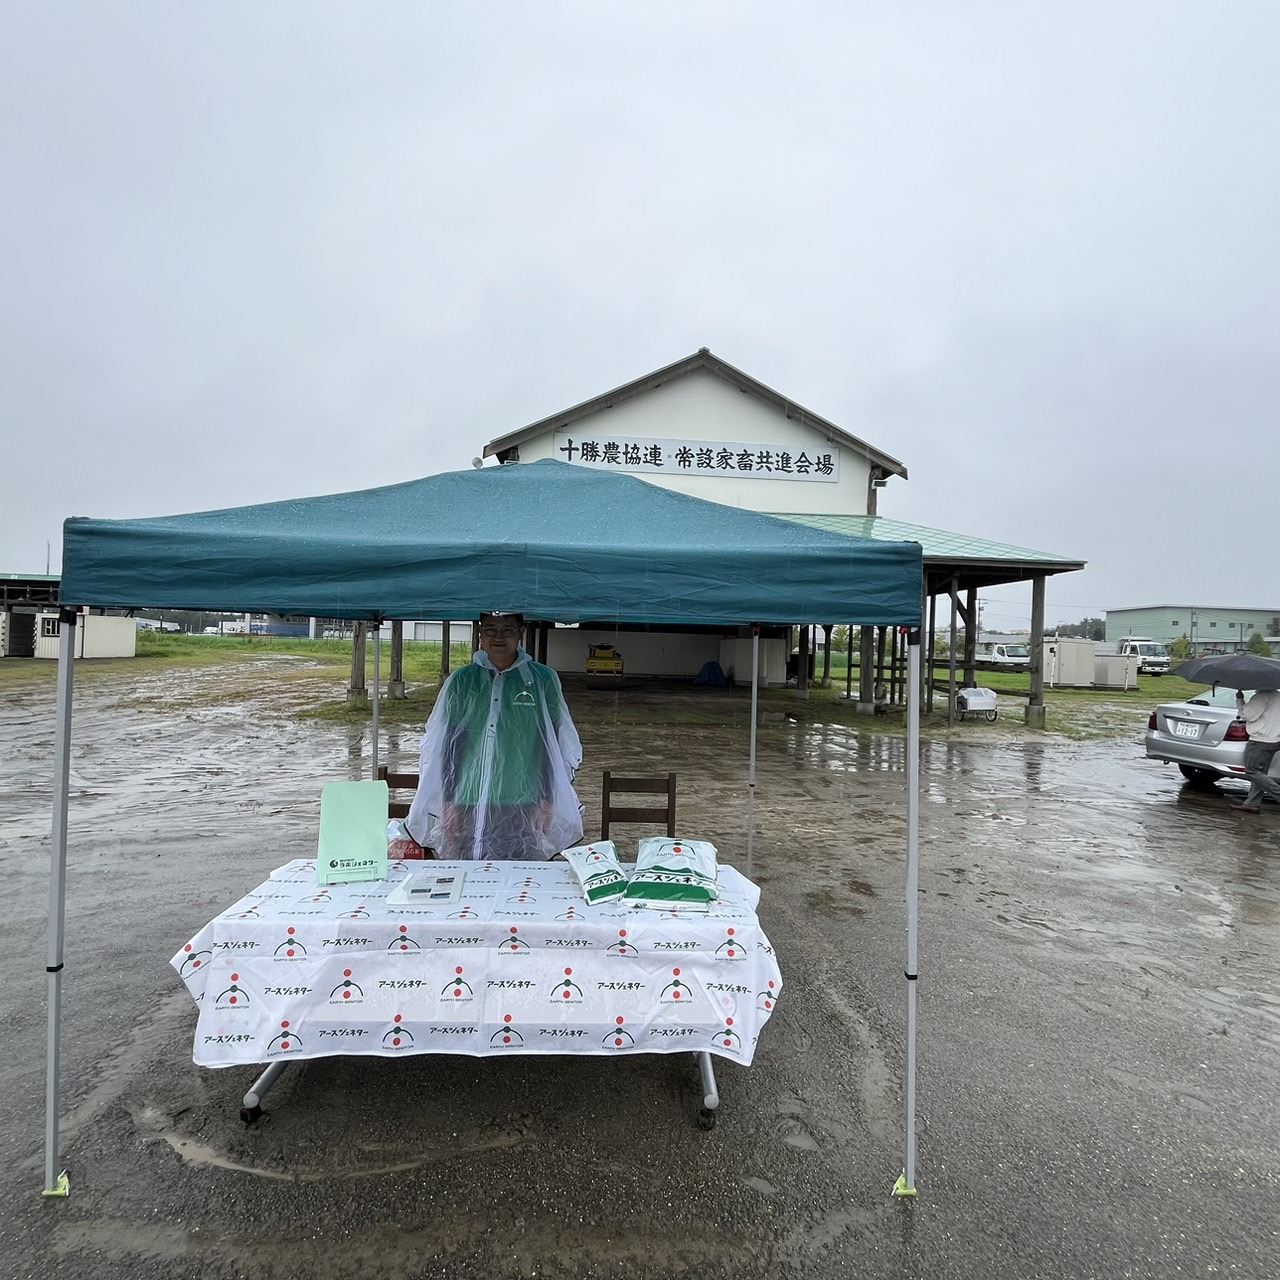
[[519, 962]]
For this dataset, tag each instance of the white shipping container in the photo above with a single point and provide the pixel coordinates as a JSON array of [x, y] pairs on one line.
[[1115, 671], [1069, 662], [96, 636]]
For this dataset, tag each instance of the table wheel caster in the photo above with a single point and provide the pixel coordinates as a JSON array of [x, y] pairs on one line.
[[706, 1118]]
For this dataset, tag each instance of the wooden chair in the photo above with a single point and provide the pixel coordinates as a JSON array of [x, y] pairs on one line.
[[397, 782], [611, 812], [400, 808]]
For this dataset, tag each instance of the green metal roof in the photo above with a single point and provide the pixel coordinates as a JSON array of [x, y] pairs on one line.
[[937, 544]]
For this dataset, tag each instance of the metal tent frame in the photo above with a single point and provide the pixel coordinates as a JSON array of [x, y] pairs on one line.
[[56, 1183]]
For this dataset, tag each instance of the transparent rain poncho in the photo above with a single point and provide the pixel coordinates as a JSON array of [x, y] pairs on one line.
[[498, 758]]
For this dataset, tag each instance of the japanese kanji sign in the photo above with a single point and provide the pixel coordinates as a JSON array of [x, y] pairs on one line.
[[723, 458]]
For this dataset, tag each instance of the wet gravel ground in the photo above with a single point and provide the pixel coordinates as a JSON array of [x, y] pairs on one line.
[[1098, 1034]]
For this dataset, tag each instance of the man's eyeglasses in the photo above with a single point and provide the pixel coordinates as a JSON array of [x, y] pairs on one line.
[[498, 633]]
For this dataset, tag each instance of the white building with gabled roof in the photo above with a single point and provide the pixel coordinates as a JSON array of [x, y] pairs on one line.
[[702, 427]]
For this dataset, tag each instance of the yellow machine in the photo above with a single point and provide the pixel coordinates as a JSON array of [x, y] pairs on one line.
[[604, 660]]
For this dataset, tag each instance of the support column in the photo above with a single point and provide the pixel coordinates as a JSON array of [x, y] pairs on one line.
[[827, 628], [395, 686], [802, 664], [881, 690], [929, 648], [357, 690], [444, 651], [867, 669], [971, 639], [895, 677], [951, 696], [1035, 705]]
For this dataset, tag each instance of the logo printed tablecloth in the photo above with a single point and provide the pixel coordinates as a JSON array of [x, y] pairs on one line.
[[521, 963]]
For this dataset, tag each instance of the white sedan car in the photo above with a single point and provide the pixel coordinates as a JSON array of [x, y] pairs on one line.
[[1202, 736]]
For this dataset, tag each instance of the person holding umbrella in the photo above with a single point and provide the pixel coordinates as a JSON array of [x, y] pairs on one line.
[[1261, 716]]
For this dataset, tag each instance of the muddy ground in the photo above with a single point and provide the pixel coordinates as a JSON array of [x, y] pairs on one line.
[[1099, 1017]]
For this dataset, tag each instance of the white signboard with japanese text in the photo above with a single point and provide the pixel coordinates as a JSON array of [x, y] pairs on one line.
[[724, 458]]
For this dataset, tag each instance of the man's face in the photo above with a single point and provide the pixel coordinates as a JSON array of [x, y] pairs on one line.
[[500, 639]]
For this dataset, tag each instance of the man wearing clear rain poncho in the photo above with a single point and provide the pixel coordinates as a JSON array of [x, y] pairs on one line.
[[498, 757]]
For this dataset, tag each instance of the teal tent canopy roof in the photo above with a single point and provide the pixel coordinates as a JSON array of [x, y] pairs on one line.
[[557, 542]]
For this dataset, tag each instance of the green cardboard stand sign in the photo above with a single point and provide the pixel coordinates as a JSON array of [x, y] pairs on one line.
[[353, 833]]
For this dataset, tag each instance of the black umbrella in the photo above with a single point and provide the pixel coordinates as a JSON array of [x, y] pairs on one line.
[[1233, 670]]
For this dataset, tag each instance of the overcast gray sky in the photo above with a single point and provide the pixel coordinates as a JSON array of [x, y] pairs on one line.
[[1030, 249]]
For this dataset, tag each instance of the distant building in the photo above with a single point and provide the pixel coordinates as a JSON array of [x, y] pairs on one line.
[[30, 626], [1208, 628]]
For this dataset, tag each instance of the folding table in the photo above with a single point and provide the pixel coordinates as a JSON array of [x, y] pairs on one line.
[[520, 963]]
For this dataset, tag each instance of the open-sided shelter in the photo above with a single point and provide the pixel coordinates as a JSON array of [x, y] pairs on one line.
[[554, 541]]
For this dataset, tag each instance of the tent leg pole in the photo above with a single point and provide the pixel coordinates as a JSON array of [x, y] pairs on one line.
[[906, 1184], [55, 1180], [710, 1094], [252, 1107], [751, 767], [377, 673]]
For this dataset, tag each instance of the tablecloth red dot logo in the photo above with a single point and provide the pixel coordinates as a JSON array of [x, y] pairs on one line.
[[457, 988], [397, 1036], [506, 1036], [235, 996], [566, 989], [729, 1038], [619, 1037], [676, 990], [348, 989], [731, 947], [622, 947], [285, 1039], [403, 941], [192, 959], [291, 948]]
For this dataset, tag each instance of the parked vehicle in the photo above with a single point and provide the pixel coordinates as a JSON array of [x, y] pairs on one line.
[[1005, 657], [1152, 655], [603, 660], [1202, 736]]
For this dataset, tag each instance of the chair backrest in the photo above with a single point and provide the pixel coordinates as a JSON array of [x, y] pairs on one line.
[[611, 812], [398, 782]]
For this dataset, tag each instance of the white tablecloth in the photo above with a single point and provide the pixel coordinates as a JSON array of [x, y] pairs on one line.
[[521, 964]]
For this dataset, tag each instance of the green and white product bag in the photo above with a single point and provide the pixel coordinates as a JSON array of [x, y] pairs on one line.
[[673, 873], [596, 869]]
